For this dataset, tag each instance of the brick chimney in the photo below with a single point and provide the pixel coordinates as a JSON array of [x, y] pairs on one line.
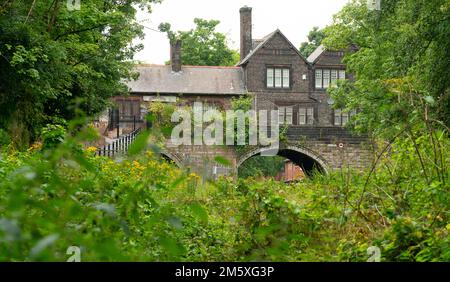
[[175, 55], [246, 31]]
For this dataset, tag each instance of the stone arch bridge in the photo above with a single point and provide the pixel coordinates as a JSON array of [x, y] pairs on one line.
[[323, 149]]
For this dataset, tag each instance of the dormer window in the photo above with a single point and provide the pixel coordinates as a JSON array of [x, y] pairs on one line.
[[278, 77]]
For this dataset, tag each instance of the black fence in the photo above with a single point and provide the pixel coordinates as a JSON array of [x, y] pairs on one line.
[[117, 121], [119, 146]]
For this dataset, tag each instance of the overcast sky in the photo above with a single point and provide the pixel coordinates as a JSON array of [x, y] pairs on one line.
[[295, 18]]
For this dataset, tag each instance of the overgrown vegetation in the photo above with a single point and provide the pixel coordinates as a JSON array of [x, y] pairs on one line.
[[144, 209], [57, 194]]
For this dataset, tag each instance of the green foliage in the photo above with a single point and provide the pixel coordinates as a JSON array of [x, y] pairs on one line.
[[52, 135], [260, 166], [52, 59], [140, 208], [144, 209], [203, 46], [4, 138], [400, 64], [315, 37]]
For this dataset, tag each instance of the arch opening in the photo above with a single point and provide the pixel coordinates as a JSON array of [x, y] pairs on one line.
[[307, 162], [171, 159]]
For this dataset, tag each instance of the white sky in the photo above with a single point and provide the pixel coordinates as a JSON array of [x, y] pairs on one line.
[[295, 18]]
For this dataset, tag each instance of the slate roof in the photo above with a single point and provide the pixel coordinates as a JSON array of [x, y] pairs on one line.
[[191, 80], [316, 54]]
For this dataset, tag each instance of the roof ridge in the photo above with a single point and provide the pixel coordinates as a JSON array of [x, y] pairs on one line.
[[266, 39], [316, 54]]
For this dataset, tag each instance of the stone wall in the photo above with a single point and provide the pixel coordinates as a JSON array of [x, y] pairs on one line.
[[333, 148]]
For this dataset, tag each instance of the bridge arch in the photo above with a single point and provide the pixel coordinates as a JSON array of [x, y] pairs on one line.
[[306, 159], [168, 156]]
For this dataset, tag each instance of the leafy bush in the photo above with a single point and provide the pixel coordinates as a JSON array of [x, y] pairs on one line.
[[144, 209], [52, 135]]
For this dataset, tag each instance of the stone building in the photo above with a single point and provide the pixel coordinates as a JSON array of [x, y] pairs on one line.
[[279, 78]]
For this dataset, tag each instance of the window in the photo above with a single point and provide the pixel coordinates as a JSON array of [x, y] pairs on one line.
[[286, 78], [285, 115], [278, 78], [289, 115], [281, 112], [318, 78], [306, 116], [341, 118], [334, 77], [270, 77], [326, 78]]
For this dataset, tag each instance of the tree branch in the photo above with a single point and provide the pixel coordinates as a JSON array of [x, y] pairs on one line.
[[30, 11], [80, 30]]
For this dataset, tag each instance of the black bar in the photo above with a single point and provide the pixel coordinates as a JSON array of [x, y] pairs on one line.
[[254, 271]]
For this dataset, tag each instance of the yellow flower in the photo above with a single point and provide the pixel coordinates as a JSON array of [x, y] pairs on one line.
[[91, 149], [194, 176]]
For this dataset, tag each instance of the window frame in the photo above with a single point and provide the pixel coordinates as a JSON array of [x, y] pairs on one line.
[[284, 114], [339, 114], [331, 83], [310, 119], [283, 70]]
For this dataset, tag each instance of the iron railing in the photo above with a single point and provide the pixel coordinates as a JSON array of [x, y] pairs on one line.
[[119, 146]]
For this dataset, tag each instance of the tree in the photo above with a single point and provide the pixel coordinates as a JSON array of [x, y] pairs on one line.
[[55, 61], [203, 46], [315, 38], [401, 64]]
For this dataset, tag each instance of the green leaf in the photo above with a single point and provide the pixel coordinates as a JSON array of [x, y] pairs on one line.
[[199, 212], [172, 247], [430, 100], [223, 161], [139, 144]]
